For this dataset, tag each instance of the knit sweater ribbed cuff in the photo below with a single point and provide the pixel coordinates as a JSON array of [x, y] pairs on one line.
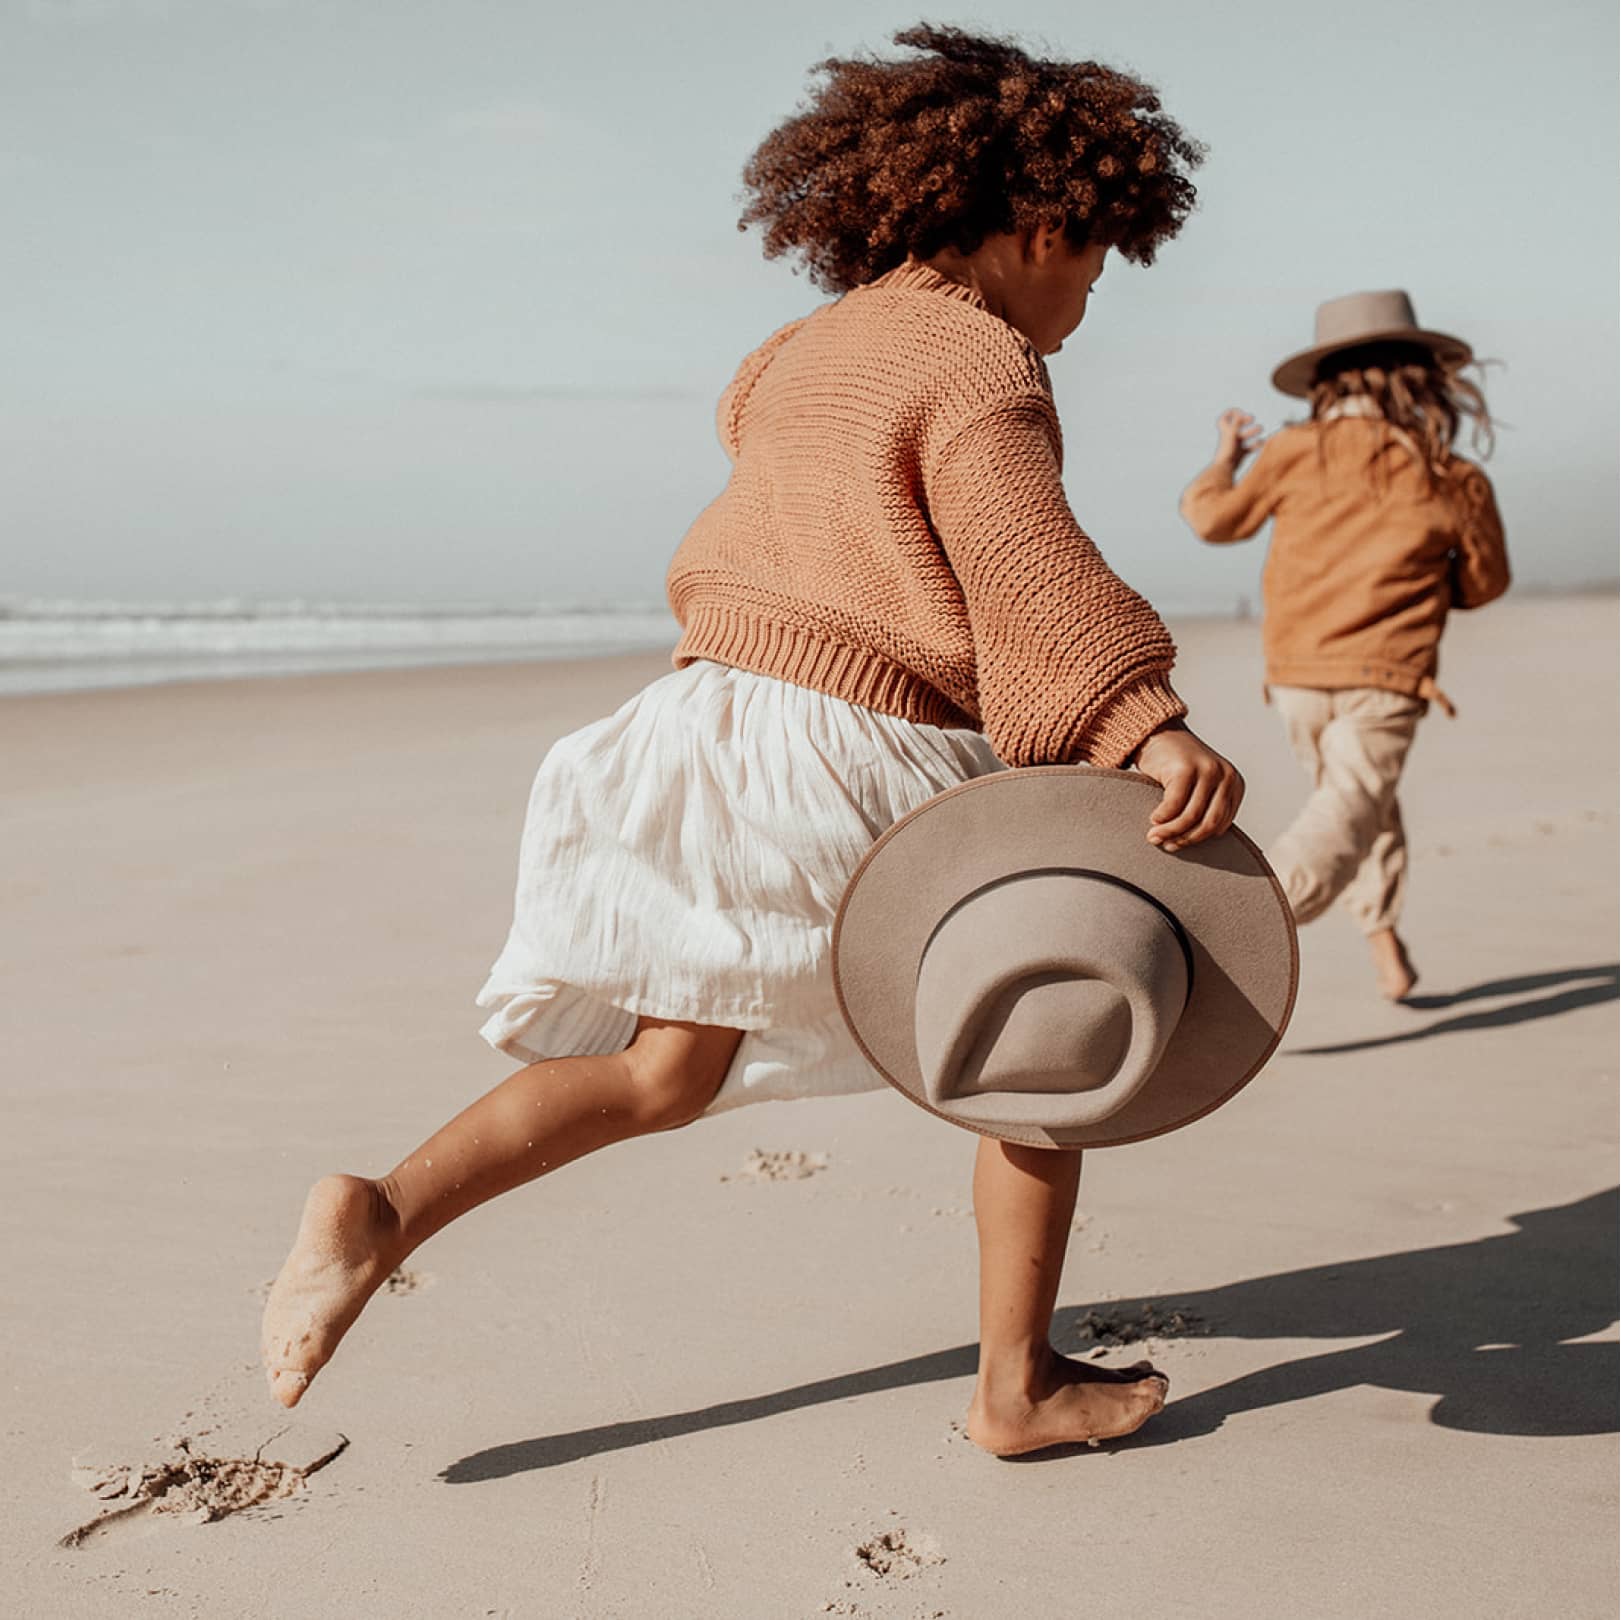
[[1111, 734]]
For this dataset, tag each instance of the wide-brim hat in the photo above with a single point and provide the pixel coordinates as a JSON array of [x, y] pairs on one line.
[[1359, 318], [1015, 957]]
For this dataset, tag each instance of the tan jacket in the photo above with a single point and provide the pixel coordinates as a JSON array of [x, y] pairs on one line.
[[1366, 558], [895, 533]]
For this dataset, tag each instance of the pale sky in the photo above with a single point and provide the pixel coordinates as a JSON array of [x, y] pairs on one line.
[[387, 299]]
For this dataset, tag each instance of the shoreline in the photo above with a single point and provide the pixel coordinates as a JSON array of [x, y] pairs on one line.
[[43, 676]]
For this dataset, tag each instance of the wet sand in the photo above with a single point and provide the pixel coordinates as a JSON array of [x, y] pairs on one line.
[[722, 1373]]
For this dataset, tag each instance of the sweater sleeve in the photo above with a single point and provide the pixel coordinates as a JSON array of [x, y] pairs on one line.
[[1071, 663], [1480, 559], [729, 412], [1219, 510]]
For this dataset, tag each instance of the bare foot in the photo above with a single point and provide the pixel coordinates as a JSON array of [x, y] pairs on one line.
[[347, 1243], [1073, 1402], [1394, 971]]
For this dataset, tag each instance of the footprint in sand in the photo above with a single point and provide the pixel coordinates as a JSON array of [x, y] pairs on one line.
[[895, 1555], [766, 1165], [1107, 1330], [887, 1559], [401, 1280], [847, 1610], [195, 1487]]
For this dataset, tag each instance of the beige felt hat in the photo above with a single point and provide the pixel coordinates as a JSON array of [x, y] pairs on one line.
[[1015, 957], [1368, 317]]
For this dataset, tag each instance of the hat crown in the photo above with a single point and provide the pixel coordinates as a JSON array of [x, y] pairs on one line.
[[1362, 315], [1048, 996], [1358, 318]]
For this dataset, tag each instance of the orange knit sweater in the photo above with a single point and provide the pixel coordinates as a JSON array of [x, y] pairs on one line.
[[1367, 558], [895, 533]]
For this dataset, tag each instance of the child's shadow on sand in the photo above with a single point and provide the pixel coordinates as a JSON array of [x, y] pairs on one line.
[[1483, 1326], [1573, 988], [1480, 1325]]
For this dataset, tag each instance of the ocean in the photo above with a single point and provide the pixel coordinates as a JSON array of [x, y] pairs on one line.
[[75, 646], [60, 646]]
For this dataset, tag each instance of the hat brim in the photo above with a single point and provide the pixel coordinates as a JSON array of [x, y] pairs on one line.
[[1297, 374], [1230, 907]]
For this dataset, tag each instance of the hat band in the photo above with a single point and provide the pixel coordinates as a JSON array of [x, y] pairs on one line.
[[1079, 872]]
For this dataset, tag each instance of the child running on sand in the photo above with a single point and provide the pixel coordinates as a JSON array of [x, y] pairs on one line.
[[890, 596], [1378, 531]]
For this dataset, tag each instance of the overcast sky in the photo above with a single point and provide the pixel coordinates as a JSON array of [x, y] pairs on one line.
[[388, 299]]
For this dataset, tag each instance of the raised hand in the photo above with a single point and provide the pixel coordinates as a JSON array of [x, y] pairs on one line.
[[1237, 435]]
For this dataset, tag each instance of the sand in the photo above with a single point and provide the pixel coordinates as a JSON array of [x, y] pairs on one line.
[[722, 1373]]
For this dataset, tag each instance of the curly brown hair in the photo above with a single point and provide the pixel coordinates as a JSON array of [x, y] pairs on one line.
[[1421, 398], [971, 138]]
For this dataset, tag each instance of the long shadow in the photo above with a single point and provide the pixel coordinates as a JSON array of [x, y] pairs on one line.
[[1523, 985], [1442, 1313], [1602, 986]]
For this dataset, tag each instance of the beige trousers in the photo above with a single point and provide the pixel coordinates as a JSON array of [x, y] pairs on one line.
[[1347, 841]]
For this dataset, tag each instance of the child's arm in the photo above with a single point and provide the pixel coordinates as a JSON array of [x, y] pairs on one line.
[[1480, 559], [1071, 663], [1215, 508]]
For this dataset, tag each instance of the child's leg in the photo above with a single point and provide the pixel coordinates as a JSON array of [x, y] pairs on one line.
[[1374, 900], [1360, 753], [1374, 896], [1304, 710], [1027, 1395], [354, 1231]]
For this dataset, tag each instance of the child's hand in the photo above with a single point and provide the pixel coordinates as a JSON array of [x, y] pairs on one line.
[[1237, 434], [1202, 790]]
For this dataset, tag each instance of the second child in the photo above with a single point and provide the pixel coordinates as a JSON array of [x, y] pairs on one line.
[[1379, 530]]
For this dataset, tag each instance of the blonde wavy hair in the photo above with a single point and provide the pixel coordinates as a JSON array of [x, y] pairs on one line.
[[1421, 399]]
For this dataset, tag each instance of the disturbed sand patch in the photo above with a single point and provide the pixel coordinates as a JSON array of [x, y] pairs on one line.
[[883, 1562], [894, 1555], [194, 1486], [765, 1164], [1108, 1329], [402, 1280], [854, 1611], [886, 1560]]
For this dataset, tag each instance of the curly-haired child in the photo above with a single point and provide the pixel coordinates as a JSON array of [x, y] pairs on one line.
[[889, 597], [1378, 531]]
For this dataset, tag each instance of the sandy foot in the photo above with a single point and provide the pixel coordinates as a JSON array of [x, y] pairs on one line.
[[1391, 965], [345, 1249], [1077, 1403]]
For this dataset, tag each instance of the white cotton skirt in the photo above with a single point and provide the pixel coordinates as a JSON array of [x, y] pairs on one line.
[[684, 859]]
